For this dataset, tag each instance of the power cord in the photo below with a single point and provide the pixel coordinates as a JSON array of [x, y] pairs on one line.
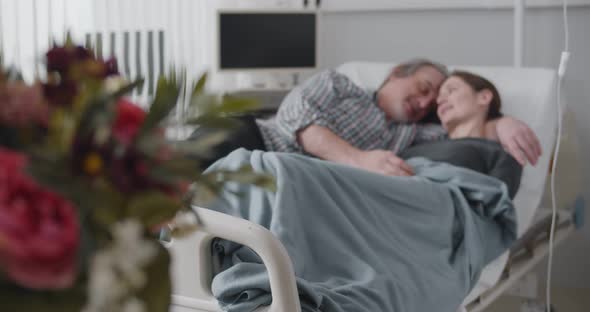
[[560, 74]]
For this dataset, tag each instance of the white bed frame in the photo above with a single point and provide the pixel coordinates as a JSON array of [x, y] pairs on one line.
[[191, 269]]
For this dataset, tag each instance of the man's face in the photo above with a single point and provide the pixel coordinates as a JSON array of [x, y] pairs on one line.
[[409, 99]]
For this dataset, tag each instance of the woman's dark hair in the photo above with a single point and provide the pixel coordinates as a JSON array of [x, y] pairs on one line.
[[479, 83]]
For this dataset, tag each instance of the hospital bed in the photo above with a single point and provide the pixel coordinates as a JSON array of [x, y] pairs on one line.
[[527, 94]]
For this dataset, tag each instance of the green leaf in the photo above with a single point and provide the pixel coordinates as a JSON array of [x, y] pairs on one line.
[[203, 145], [105, 216], [69, 42], [183, 84], [165, 100], [214, 122], [152, 144], [245, 175], [89, 239], [95, 199], [106, 204], [62, 128], [9, 138], [209, 185], [153, 208], [99, 111], [177, 169], [55, 173], [13, 298], [157, 294], [211, 105], [200, 86], [235, 105], [201, 104], [206, 191]]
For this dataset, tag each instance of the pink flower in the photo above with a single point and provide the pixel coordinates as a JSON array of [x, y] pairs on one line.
[[22, 105], [128, 121], [39, 230]]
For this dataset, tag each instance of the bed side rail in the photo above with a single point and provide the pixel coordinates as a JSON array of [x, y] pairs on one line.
[[196, 248]]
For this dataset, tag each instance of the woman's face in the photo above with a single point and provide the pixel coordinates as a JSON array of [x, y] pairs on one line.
[[457, 102]]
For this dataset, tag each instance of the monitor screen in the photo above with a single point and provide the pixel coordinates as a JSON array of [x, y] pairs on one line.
[[267, 40]]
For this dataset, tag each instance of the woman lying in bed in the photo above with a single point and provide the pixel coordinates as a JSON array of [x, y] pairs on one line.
[[465, 102]]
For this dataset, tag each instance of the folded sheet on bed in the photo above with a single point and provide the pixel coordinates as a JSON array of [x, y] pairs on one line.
[[361, 241]]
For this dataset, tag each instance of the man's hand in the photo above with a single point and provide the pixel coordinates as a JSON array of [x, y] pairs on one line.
[[323, 143], [518, 140], [383, 162]]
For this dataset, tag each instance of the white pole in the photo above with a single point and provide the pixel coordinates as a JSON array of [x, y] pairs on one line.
[[519, 19]]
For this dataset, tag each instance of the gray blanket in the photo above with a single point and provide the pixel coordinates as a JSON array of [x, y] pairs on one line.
[[361, 241]]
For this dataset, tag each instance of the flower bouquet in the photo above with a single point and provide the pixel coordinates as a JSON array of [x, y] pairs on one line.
[[88, 179]]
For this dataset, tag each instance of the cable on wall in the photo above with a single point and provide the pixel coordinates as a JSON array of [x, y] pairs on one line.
[[560, 75]]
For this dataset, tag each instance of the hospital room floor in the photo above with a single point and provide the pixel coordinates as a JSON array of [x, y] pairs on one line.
[[564, 300]]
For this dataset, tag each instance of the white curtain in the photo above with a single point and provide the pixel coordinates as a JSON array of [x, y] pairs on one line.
[[146, 36]]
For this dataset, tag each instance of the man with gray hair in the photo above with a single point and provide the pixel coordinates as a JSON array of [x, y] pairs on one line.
[[332, 118]]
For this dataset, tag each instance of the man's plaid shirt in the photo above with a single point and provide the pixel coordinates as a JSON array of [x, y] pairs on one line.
[[332, 100]]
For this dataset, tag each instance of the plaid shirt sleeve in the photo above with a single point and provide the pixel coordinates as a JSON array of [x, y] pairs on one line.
[[429, 132], [311, 103]]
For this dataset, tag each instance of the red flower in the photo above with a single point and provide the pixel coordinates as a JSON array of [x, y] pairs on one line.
[[60, 59], [68, 67], [128, 121], [39, 230], [63, 59], [60, 95]]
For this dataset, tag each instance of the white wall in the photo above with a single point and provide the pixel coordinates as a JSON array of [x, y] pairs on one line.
[[479, 37]]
